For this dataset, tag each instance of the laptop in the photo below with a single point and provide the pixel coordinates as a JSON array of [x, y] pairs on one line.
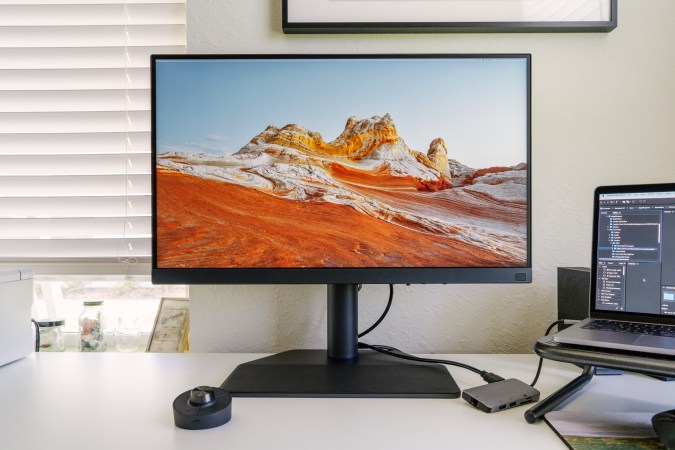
[[632, 289]]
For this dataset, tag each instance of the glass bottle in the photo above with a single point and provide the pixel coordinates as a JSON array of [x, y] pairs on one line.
[[126, 335], [51, 335], [92, 328]]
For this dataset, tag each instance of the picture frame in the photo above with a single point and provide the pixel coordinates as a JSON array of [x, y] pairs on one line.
[[171, 330], [446, 16]]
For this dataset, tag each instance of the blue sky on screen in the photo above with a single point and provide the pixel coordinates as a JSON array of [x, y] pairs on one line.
[[478, 106]]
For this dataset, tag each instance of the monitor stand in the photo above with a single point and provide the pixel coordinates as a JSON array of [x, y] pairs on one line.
[[341, 370]]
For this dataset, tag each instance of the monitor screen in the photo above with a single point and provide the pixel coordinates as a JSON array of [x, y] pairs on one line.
[[341, 169]]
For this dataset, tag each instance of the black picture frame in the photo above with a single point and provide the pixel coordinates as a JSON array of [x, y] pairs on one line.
[[410, 26]]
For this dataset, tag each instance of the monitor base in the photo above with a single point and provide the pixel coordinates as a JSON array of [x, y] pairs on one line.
[[310, 373]]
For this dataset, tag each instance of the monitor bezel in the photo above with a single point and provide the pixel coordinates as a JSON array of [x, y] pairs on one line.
[[340, 275]]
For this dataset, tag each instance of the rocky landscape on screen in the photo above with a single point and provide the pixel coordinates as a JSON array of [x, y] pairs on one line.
[[290, 199]]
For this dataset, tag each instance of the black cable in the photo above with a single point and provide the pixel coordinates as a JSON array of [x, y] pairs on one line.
[[487, 376], [384, 314], [541, 360], [391, 351]]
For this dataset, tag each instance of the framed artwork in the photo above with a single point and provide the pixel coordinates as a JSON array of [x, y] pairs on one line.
[[440, 16], [170, 333]]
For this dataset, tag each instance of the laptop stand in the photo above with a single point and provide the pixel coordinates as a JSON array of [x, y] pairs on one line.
[[589, 359]]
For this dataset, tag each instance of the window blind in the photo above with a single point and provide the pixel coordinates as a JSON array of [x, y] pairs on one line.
[[75, 131]]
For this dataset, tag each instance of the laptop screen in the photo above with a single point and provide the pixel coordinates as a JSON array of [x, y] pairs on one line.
[[634, 254]]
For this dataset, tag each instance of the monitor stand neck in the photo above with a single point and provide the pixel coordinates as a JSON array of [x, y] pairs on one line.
[[342, 321], [340, 370]]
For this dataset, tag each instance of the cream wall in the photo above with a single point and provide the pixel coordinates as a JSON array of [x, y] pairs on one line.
[[603, 112]]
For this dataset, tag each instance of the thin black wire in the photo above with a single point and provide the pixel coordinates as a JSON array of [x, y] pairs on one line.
[[399, 354], [541, 360], [383, 315], [391, 351]]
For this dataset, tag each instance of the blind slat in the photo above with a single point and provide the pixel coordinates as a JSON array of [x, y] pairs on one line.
[[91, 14], [71, 101], [97, 164], [71, 249], [92, 36], [73, 122], [81, 227], [45, 207], [74, 185], [80, 266], [74, 79], [74, 143], [81, 57], [85, 2]]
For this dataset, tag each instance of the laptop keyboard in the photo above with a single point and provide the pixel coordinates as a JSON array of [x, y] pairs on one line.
[[631, 327]]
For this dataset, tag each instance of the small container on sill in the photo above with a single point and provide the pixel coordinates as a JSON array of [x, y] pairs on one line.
[[92, 328], [51, 335]]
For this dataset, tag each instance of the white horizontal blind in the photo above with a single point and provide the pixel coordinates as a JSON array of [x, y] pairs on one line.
[[75, 131]]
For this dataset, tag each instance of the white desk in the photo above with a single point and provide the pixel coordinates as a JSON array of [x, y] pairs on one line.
[[123, 402]]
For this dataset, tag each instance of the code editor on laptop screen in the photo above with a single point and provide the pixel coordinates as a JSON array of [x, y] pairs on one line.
[[636, 252]]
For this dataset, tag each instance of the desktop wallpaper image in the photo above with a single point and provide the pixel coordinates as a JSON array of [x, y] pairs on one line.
[[245, 177]]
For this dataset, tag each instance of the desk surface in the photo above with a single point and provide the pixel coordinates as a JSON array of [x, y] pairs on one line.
[[123, 402]]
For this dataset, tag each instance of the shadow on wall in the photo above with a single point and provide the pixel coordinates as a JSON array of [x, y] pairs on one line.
[[422, 319], [257, 318]]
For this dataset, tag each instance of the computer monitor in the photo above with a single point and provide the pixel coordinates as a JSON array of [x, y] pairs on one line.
[[340, 170]]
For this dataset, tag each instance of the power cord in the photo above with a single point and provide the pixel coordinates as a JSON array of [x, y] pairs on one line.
[[391, 351], [548, 330], [489, 377], [383, 315]]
